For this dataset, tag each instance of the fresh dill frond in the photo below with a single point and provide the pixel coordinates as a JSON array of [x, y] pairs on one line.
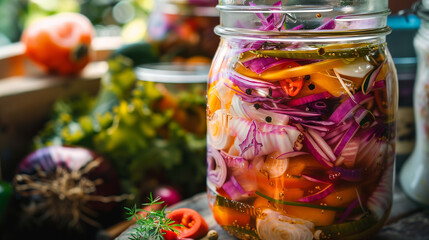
[[151, 223]]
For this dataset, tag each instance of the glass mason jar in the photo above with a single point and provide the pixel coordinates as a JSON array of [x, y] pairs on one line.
[[301, 109], [183, 29], [414, 175]]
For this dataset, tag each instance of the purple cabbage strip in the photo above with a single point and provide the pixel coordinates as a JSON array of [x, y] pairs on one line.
[[251, 141]]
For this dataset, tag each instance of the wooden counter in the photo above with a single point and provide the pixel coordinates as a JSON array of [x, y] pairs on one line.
[[407, 220]]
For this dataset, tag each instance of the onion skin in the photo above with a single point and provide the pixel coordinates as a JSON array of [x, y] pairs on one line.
[[95, 186]]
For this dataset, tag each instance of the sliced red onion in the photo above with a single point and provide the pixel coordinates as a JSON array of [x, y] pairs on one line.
[[233, 189], [314, 179], [329, 25], [260, 65], [297, 27], [335, 139], [298, 113], [381, 199], [259, 15], [244, 82], [236, 164], [368, 82], [346, 138], [349, 154], [349, 106], [318, 128], [316, 151], [291, 154], [315, 122], [364, 117], [339, 130], [348, 210], [282, 108], [319, 195], [216, 167], [379, 85], [352, 175], [277, 94], [309, 99], [247, 180], [322, 144]]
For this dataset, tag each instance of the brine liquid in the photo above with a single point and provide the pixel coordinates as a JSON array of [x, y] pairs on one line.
[[301, 140]]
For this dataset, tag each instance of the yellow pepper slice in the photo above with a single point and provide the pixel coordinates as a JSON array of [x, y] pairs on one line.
[[279, 73], [276, 75]]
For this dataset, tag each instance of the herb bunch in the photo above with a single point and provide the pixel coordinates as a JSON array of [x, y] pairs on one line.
[[151, 224]]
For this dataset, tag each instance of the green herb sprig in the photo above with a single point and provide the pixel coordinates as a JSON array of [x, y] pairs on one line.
[[152, 224]]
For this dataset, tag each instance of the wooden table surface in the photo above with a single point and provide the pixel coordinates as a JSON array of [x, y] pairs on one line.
[[407, 220]]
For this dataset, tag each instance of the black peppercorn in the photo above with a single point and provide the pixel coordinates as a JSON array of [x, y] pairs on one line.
[[249, 91], [257, 106], [268, 119], [311, 86], [307, 77]]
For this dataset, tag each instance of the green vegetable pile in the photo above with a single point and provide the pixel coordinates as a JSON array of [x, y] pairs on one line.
[[127, 123]]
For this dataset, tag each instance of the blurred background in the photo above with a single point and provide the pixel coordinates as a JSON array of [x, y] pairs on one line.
[[126, 18]]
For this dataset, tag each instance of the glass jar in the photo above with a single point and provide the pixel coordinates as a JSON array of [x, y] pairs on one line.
[[301, 110], [182, 87], [183, 29], [414, 175], [404, 29]]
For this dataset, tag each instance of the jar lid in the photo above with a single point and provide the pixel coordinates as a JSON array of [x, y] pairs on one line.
[[173, 72], [295, 17]]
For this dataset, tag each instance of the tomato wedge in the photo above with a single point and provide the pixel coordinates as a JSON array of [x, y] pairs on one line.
[[292, 87], [194, 224]]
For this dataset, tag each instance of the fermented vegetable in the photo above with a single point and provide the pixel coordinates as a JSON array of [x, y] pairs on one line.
[[312, 125]]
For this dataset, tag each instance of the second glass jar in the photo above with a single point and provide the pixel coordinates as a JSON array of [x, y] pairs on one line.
[[301, 126]]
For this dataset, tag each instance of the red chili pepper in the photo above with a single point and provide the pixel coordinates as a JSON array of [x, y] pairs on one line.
[[194, 224], [169, 235], [292, 87]]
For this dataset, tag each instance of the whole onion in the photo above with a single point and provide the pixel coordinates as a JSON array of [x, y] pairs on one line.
[[68, 188], [168, 194]]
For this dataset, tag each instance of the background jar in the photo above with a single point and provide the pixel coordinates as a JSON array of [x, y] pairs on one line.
[[173, 95], [289, 151], [414, 175], [184, 29]]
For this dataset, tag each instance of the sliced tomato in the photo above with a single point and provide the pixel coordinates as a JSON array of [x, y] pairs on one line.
[[292, 86], [194, 225]]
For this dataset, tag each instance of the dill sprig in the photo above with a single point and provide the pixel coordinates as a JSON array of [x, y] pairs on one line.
[[153, 223]]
